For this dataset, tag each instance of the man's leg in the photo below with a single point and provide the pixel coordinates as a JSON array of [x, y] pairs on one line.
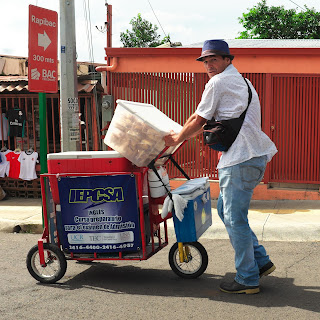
[[260, 253], [236, 187]]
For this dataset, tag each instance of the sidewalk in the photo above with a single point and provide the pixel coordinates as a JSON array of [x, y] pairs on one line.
[[271, 220]]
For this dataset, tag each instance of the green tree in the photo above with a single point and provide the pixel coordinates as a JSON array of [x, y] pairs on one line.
[[264, 22], [143, 34]]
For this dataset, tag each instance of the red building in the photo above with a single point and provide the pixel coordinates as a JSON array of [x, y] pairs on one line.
[[286, 74]]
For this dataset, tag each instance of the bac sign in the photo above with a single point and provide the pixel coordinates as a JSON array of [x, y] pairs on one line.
[[43, 50]]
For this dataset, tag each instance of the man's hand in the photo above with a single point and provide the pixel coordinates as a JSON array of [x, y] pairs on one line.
[[192, 127], [171, 139]]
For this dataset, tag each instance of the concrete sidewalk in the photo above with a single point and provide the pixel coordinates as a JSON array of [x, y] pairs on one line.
[[271, 220]]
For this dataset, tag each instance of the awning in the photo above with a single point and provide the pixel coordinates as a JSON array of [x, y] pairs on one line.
[[18, 84]]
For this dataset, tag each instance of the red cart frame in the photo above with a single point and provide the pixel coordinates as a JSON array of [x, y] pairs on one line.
[[48, 251]]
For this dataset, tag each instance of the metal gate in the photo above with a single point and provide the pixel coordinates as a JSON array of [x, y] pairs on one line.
[[29, 103], [290, 116], [295, 128]]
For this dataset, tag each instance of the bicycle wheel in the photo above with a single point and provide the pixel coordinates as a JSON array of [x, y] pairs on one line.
[[195, 262], [55, 263]]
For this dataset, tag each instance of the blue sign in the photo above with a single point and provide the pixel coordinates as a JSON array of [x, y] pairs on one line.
[[99, 213]]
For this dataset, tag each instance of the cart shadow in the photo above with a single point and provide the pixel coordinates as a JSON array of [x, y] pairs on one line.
[[110, 278]]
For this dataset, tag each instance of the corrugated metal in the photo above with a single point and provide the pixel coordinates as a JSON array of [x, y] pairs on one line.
[[266, 43], [177, 95], [19, 84], [296, 119], [289, 111]]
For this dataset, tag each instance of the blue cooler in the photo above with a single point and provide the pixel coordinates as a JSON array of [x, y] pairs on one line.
[[197, 215]]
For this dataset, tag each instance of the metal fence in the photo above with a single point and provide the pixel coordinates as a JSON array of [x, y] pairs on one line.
[[290, 116], [29, 103], [295, 128]]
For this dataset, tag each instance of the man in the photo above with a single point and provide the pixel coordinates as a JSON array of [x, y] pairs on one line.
[[241, 168]]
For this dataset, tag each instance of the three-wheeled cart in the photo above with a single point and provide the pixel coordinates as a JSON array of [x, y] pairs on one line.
[[98, 205]]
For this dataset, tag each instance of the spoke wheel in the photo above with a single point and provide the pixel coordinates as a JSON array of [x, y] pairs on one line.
[[196, 261], [55, 263]]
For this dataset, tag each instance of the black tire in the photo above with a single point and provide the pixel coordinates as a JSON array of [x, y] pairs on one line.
[[197, 260], [56, 263]]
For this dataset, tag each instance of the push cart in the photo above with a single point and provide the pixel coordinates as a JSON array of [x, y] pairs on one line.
[[109, 214], [102, 205]]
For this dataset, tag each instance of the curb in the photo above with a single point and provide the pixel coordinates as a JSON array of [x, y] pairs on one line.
[[12, 226]]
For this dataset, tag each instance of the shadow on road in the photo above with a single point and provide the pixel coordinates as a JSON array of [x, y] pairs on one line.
[[275, 291]]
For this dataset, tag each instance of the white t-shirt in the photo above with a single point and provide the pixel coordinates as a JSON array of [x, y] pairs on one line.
[[28, 165], [225, 97], [5, 164]]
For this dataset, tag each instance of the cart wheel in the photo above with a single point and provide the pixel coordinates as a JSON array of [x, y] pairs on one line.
[[55, 260], [196, 261]]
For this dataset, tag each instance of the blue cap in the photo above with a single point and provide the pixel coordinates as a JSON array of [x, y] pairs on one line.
[[215, 48]]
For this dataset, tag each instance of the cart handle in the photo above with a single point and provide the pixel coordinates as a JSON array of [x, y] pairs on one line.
[[178, 167]]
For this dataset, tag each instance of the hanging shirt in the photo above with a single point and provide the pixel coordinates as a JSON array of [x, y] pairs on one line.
[[3, 128], [14, 170], [4, 165], [16, 118], [28, 162]]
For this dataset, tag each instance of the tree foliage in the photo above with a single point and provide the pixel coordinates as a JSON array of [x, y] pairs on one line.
[[143, 34], [264, 22]]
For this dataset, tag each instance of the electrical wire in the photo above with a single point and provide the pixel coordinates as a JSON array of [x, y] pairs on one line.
[[90, 46], [158, 20], [86, 10], [297, 5]]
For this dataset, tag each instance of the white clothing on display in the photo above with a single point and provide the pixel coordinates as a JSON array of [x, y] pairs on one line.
[[28, 165]]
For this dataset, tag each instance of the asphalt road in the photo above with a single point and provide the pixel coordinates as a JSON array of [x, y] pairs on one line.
[[150, 290]]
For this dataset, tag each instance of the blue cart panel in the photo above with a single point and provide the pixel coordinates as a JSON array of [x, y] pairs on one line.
[[99, 214]]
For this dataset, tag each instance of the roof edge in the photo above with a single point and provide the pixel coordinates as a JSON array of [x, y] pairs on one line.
[[122, 52]]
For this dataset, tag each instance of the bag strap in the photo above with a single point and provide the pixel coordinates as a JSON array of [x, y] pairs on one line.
[[243, 114]]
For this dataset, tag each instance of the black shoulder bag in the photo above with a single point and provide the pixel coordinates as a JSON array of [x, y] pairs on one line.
[[220, 135]]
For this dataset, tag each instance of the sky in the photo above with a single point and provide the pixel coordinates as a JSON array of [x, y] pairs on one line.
[[186, 21]]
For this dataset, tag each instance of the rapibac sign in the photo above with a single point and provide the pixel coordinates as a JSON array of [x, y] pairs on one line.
[[43, 50]]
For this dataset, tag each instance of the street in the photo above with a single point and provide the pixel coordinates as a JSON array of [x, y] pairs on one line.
[[150, 290]]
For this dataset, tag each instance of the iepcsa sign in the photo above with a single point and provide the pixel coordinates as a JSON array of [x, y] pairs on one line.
[[43, 50]]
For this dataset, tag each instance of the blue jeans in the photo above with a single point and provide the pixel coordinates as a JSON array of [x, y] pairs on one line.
[[236, 188]]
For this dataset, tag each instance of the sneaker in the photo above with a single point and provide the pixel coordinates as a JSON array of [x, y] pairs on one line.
[[235, 287], [267, 269]]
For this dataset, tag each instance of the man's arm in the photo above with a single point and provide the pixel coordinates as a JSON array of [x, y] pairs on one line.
[[192, 127]]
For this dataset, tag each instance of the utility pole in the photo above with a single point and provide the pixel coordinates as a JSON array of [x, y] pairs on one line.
[[69, 107]]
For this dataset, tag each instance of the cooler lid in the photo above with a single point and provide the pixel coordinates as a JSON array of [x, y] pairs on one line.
[[191, 186], [151, 115], [83, 155]]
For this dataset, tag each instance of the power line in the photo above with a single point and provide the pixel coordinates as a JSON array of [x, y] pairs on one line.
[[86, 8], [157, 19], [297, 5]]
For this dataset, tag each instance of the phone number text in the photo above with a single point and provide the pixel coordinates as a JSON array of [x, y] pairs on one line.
[[101, 247]]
